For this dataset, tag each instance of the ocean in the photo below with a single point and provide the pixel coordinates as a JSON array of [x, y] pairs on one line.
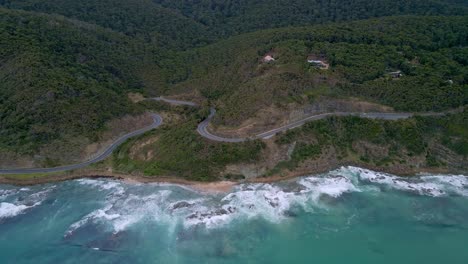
[[349, 215]]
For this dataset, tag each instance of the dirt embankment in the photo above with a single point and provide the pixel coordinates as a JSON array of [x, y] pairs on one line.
[[273, 117]]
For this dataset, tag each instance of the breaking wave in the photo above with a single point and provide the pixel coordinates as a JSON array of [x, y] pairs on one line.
[[17, 201], [429, 185], [173, 205]]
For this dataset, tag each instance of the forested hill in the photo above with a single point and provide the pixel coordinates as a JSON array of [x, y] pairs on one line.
[[234, 16], [182, 24], [142, 19], [61, 78], [430, 52], [67, 66]]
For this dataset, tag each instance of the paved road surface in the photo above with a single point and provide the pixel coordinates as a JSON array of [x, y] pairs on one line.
[[157, 121], [203, 131]]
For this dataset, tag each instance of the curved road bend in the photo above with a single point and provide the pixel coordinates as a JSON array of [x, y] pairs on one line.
[[157, 121], [202, 128], [203, 131]]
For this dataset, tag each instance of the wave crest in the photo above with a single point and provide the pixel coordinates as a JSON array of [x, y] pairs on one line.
[[172, 205]]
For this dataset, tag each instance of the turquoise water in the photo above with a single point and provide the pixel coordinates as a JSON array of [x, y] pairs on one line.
[[349, 215]]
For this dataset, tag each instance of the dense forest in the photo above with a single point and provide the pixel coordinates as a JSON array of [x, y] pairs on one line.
[[61, 78], [233, 16], [67, 67], [183, 24], [430, 53]]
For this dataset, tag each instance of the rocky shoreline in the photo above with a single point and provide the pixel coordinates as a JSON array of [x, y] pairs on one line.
[[216, 186]]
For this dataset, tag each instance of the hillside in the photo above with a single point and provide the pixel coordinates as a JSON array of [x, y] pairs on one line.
[[67, 68], [428, 53], [180, 24], [62, 79], [141, 19], [436, 144], [233, 17]]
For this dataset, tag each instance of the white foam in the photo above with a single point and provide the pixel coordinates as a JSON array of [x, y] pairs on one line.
[[97, 214], [101, 184], [246, 201], [6, 193], [273, 202], [10, 210], [440, 185], [121, 213], [457, 184], [269, 201], [13, 207], [331, 186], [104, 185]]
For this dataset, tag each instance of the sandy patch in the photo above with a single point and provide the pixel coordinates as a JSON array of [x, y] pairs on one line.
[[222, 186]]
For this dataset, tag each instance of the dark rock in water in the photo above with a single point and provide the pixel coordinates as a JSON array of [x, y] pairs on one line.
[[210, 214], [221, 212], [273, 202], [182, 204], [431, 191], [193, 216], [251, 206], [29, 203], [293, 187]]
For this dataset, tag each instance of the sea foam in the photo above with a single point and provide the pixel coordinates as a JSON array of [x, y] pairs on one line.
[[18, 201], [430, 185], [172, 205], [9, 209]]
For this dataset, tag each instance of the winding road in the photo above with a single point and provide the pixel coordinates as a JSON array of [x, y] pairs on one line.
[[202, 129], [157, 121]]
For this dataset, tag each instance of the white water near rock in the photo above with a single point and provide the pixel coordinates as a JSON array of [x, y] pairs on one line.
[[125, 207], [271, 202], [366, 215], [26, 201], [431, 185], [9, 210]]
